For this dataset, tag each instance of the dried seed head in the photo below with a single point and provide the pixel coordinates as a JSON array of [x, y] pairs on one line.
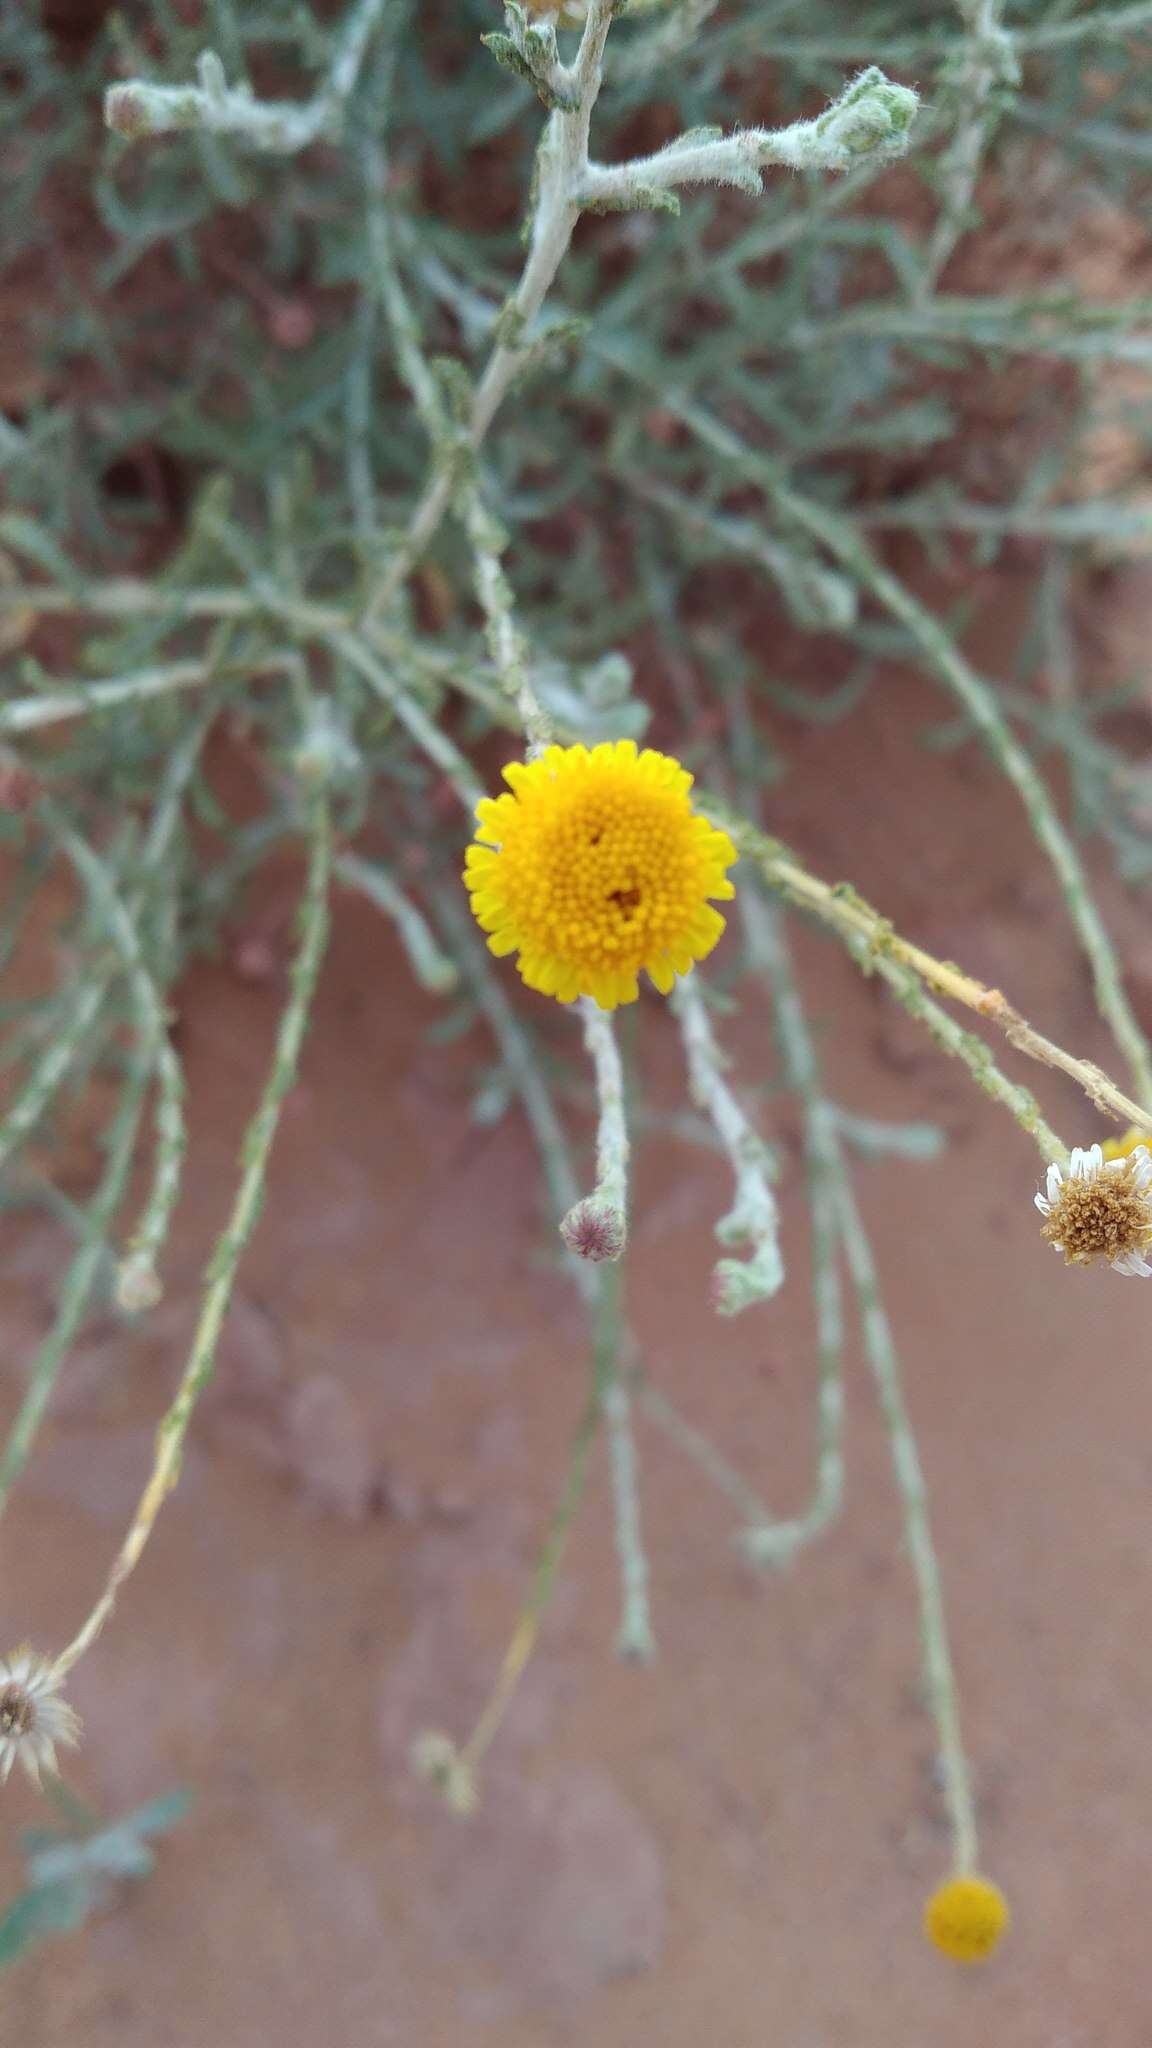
[[1103, 1209], [33, 1717], [17, 1710]]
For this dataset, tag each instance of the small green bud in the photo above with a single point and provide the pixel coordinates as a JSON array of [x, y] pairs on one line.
[[872, 117]]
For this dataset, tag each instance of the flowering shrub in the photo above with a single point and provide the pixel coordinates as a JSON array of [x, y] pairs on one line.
[[465, 508]]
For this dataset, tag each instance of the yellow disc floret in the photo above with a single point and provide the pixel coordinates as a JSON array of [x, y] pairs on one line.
[[595, 866], [966, 1918]]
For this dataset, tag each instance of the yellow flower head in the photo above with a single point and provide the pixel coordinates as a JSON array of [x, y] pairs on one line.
[[1122, 1148], [595, 866], [966, 1918]]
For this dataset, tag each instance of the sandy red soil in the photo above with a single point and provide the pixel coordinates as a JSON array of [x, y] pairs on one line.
[[731, 1847]]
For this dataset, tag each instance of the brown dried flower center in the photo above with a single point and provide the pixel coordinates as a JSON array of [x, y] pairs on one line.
[[1105, 1215], [17, 1711]]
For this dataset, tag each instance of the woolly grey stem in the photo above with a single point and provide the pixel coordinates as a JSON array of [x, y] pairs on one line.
[[78, 1285], [838, 536], [506, 643], [225, 1260], [171, 1136], [753, 1218], [634, 1638], [562, 157], [596, 1283], [978, 78], [871, 119], [979, 701], [596, 1227], [778, 1542], [138, 109]]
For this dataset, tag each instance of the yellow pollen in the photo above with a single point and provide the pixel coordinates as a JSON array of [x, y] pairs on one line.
[[1103, 1215], [596, 866]]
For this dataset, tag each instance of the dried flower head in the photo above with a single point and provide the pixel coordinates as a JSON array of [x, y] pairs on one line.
[[33, 1717], [436, 1758], [966, 1918], [1101, 1209], [597, 866], [595, 1229]]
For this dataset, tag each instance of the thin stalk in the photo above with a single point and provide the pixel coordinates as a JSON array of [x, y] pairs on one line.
[[562, 160], [938, 1671], [79, 1282], [230, 1246]]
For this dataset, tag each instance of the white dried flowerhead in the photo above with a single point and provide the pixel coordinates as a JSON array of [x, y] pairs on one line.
[[1101, 1208], [436, 1758], [33, 1717]]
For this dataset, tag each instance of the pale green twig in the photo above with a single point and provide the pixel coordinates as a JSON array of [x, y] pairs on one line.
[[979, 700], [78, 1283], [837, 534], [455, 1768], [138, 109], [28, 713], [871, 119], [873, 942], [562, 157], [938, 1672], [171, 1137], [433, 968], [635, 1636], [423, 729], [230, 1246], [704, 1454], [596, 1227], [753, 1218], [506, 643], [768, 953], [979, 79], [32, 1100]]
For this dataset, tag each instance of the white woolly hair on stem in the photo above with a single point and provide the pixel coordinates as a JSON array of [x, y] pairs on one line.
[[596, 1227], [754, 1218]]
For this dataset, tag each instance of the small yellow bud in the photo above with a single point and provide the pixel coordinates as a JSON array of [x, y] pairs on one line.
[[966, 1917]]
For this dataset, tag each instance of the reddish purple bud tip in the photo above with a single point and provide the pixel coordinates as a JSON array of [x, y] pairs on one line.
[[595, 1230]]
